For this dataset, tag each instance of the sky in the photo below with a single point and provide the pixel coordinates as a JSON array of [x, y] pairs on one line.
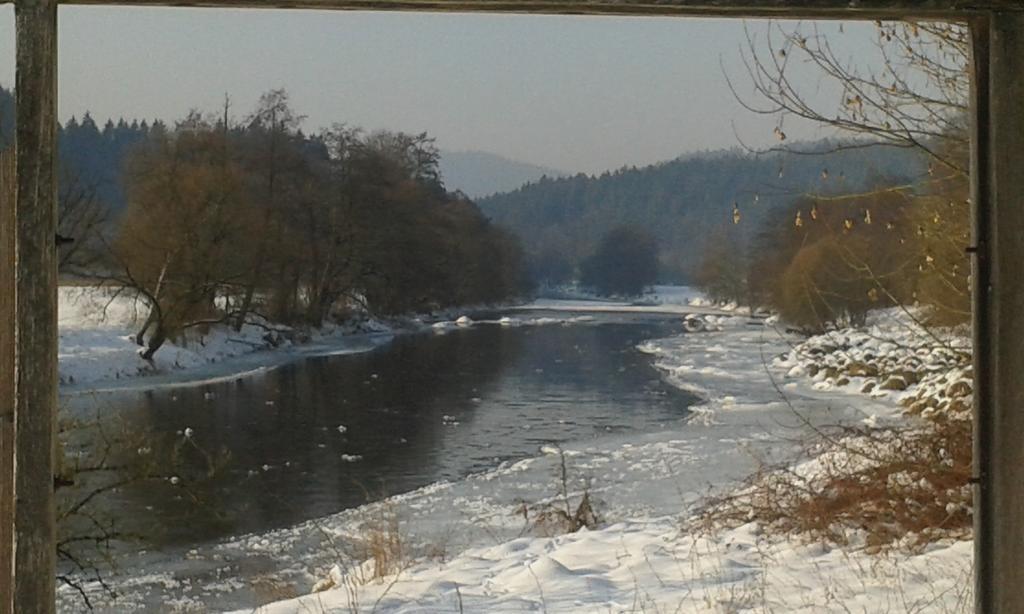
[[579, 94]]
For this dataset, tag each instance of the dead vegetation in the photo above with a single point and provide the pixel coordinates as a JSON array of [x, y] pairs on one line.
[[561, 515], [877, 488], [382, 546]]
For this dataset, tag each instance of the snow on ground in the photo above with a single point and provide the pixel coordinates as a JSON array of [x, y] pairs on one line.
[[467, 546], [97, 350], [681, 300], [893, 358], [643, 559], [653, 567]]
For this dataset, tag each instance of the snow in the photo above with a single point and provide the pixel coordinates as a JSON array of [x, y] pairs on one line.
[[97, 353], [647, 557], [467, 546], [680, 300], [652, 566]]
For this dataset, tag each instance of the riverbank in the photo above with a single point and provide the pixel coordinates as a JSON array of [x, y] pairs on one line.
[[476, 544], [97, 351], [650, 557]]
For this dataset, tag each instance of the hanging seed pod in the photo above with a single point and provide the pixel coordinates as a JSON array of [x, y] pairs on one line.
[[873, 295], [848, 224], [867, 216], [814, 211], [735, 213], [798, 221]]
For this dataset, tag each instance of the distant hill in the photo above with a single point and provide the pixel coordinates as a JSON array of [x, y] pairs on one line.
[[479, 174], [686, 202]]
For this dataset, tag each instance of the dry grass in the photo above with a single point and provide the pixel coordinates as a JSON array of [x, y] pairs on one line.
[[382, 545], [887, 487], [560, 515]]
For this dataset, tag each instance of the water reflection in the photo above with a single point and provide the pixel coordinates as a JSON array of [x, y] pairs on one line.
[[330, 433]]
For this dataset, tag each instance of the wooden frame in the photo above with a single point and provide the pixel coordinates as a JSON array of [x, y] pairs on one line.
[[28, 384]]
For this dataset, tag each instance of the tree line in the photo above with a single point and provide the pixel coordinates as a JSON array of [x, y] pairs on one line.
[[563, 220], [255, 221]]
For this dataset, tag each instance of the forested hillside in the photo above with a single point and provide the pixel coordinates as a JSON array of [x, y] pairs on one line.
[[685, 203]]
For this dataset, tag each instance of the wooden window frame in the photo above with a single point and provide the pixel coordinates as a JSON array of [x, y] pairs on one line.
[[28, 263]]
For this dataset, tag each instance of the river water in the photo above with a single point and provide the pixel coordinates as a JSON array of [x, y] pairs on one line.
[[330, 433]]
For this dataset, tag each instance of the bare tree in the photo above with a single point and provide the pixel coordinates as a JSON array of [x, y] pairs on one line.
[[82, 220], [914, 96], [272, 160], [180, 228]]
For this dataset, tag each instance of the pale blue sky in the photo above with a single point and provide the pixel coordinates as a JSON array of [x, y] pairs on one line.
[[579, 94]]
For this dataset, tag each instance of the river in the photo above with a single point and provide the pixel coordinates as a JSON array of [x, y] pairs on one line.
[[330, 433]]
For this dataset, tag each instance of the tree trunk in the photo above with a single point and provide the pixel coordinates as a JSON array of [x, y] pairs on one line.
[[245, 308], [140, 337], [155, 342]]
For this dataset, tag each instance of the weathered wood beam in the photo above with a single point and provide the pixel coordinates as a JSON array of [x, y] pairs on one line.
[[981, 228], [8, 190], [998, 291], [35, 306], [794, 9]]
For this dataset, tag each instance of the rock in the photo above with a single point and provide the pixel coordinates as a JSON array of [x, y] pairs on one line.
[[919, 407], [867, 387], [910, 377], [861, 369], [895, 382], [842, 381], [959, 389], [958, 406]]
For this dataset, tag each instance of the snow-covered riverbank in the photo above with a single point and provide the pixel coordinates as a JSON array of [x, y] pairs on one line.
[[647, 557], [97, 351], [474, 544]]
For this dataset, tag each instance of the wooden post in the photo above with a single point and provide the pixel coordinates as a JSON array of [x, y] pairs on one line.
[[8, 189], [998, 292], [35, 314]]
